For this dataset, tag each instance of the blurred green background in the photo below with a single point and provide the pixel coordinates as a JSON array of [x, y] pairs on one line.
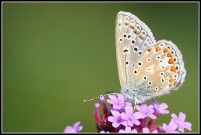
[[57, 54]]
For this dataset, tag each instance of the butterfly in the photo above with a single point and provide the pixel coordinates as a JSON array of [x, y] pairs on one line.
[[146, 68]]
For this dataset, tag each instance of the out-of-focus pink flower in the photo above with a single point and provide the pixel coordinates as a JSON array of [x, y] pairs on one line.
[[74, 129]]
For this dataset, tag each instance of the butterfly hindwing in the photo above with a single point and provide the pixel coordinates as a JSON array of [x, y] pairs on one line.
[[133, 37], [158, 70]]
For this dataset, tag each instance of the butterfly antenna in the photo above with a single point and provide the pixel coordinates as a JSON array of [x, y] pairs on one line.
[[88, 100]]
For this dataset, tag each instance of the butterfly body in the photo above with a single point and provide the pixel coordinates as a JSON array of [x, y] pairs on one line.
[[146, 68]]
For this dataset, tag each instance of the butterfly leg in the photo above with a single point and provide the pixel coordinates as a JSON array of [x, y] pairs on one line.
[[135, 105]]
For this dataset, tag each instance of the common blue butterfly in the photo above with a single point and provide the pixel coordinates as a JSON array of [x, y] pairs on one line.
[[146, 68]]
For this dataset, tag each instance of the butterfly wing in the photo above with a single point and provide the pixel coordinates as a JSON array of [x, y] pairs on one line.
[[132, 38], [158, 70]]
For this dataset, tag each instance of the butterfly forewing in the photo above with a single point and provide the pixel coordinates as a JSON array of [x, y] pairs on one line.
[[133, 37]]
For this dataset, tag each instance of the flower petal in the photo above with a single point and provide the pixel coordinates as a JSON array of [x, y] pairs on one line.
[[129, 110], [125, 123], [134, 131], [182, 117], [75, 126], [173, 126], [69, 129], [145, 130], [187, 125], [115, 124], [138, 115], [174, 116], [136, 122], [115, 113], [111, 119], [152, 116], [155, 131], [80, 128], [121, 98], [123, 116], [163, 106], [128, 129]]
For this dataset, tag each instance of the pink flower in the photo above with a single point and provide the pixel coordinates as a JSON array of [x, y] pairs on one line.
[[115, 119], [146, 130], [170, 128], [130, 117], [117, 102], [74, 129], [128, 130], [179, 121], [146, 111], [104, 131], [160, 108]]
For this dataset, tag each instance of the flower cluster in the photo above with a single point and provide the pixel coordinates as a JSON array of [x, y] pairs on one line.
[[121, 117]]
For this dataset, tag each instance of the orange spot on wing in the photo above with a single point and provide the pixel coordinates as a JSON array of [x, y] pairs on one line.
[[169, 54], [170, 85], [173, 69], [171, 61], [171, 80], [158, 48], [165, 50], [149, 50]]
